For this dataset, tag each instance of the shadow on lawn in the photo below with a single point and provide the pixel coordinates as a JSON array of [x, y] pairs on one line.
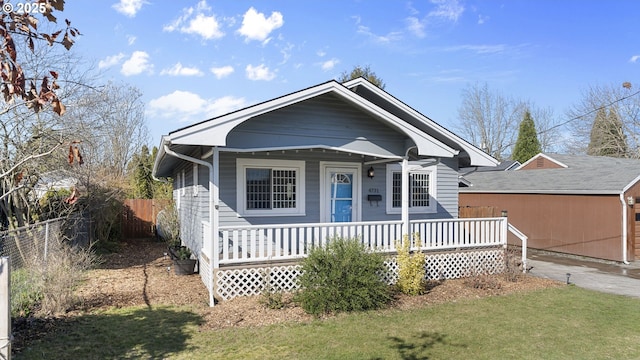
[[417, 347], [152, 333]]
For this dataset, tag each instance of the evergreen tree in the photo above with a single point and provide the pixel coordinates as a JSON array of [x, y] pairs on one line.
[[362, 71], [142, 177], [527, 145], [607, 136]]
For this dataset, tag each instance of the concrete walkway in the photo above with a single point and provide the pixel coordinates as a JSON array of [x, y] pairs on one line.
[[609, 277]]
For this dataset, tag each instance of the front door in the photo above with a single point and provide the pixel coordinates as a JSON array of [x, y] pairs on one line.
[[341, 194]]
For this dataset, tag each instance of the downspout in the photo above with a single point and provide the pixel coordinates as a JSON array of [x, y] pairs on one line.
[[624, 229], [213, 207]]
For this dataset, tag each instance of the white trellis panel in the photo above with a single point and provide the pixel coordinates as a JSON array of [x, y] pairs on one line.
[[446, 265]]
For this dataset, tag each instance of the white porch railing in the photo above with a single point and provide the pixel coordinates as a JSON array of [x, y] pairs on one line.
[[254, 243]]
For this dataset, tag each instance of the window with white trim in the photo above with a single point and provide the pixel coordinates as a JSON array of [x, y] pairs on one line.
[[270, 187], [422, 189]]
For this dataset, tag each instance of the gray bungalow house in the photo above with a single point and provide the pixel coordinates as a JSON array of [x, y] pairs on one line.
[[266, 183]]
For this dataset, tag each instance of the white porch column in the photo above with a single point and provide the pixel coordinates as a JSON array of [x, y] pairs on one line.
[[406, 227], [214, 220]]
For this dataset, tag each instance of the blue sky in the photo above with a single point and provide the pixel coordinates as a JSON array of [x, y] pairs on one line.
[[193, 60]]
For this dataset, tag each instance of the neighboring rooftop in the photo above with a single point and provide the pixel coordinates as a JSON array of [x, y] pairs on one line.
[[582, 175]]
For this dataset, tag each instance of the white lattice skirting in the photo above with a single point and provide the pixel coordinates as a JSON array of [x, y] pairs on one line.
[[450, 265]]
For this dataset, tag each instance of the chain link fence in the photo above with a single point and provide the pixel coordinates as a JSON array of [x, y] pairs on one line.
[[31, 244]]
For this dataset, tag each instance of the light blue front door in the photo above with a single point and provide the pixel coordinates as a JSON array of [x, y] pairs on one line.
[[341, 196]]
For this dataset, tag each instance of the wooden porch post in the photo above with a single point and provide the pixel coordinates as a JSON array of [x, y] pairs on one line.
[[406, 227], [214, 182]]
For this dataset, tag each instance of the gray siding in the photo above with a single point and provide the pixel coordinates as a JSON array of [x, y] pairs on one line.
[[326, 120], [447, 189]]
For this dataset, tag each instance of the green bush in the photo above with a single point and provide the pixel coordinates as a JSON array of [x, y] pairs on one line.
[[342, 276], [411, 271]]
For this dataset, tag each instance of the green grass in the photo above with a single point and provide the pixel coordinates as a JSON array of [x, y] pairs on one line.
[[560, 323]]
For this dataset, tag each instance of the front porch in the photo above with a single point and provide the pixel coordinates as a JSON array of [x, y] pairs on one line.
[[247, 254]]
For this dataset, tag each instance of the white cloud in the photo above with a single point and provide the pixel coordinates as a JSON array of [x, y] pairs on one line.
[[416, 27], [110, 61], [179, 70], [221, 72], [329, 64], [260, 72], [128, 7], [255, 26], [482, 19], [634, 58], [205, 26], [197, 21], [382, 39], [447, 9], [226, 104], [136, 64], [131, 39], [187, 106], [479, 49]]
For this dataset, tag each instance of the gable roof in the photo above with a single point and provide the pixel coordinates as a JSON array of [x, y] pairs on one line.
[[470, 155], [582, 175], [430, 138]]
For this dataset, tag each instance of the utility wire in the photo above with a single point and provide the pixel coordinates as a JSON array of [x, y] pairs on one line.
[[590, 112]]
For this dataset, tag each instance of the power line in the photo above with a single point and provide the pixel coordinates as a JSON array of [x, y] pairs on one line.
[[590, 112]]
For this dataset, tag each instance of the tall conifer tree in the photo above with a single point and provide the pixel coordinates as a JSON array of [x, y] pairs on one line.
[[527, 145]]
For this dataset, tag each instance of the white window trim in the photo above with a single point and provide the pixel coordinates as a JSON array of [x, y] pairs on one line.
[[241, 183], [195, 179], [433, 191]]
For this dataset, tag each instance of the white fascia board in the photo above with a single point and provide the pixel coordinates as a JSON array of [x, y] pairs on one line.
[[478, 157], [543, 156], [629, 185], [160, 156]]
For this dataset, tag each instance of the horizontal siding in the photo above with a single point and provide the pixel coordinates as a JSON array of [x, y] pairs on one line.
[[326, 120], [447, 196]]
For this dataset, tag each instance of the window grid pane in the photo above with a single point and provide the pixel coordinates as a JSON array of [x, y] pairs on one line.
[[258, 189], [284, 189], [396, 189], [419, 189]]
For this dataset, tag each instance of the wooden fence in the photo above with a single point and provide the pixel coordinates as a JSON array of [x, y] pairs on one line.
[[139, 217], [479, 212]]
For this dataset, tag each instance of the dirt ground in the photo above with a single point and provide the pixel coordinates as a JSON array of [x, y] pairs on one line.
[[140, 274]]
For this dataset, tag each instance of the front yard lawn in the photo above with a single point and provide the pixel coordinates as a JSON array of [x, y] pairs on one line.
[[555, 323]]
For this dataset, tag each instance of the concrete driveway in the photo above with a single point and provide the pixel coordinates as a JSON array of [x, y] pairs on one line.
[[609, 277]]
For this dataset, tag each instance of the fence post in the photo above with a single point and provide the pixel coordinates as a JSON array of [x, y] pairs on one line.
[[46, 239], [5, 309]]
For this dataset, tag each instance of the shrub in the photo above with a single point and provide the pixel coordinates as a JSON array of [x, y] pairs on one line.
[[411, 271], [60, 274], [270, 297], [342, 276]]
